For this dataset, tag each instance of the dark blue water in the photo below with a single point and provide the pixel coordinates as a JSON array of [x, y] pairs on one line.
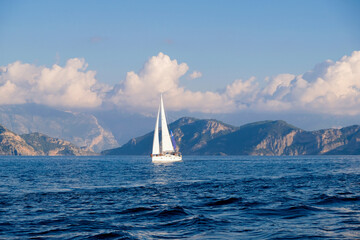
[[199, 198]]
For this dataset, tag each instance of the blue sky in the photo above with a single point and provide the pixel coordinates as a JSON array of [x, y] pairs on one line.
[[262, 59], [225, 40]]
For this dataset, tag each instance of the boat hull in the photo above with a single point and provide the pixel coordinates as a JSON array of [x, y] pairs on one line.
[[163, 158]]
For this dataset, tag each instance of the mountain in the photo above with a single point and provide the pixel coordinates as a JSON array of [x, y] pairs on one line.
[[344, 141], [35, 144], [271, 138], [45, 145], [82, 129], [12, 144], [260, 138], [191, 135]]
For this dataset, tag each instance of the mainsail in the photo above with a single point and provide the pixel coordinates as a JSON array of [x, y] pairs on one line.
[[156, 146], [166, 145]]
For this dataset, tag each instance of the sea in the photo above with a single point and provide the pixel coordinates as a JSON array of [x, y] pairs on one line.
[[212, 197]]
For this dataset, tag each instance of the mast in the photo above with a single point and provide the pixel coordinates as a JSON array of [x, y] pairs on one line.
[[166, 145], [156, 145]]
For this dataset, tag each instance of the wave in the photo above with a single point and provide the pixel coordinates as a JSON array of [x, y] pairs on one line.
[[324, 199], [225, 201], [191, 221], [172, 212], [50, 231], [286, 213], [137, 210], [120, 235]]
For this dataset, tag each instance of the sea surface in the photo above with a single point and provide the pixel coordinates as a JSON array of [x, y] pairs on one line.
[[122, 197]]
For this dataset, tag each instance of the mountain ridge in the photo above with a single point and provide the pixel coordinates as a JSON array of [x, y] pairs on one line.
[[272, 138], [37, 144]]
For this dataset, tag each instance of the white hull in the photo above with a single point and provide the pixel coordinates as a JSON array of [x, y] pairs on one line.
[[166, 158]]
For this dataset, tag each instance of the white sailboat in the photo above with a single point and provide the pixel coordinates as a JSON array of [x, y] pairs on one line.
[[167, 151]]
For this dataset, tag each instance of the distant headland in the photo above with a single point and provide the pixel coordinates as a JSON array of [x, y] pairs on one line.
[[268, 138], [37, 144]]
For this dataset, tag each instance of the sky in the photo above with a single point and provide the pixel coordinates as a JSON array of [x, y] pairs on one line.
[[220, 57]]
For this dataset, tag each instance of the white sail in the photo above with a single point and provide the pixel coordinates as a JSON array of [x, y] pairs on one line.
[[166, 145], [156, 145], [165, 153]]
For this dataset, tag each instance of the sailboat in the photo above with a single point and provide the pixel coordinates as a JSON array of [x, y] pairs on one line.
[[166, 152]]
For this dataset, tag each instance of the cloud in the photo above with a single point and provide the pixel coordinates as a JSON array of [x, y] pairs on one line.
[[69, 86], [195, 74], [330, 87], [160, 74]]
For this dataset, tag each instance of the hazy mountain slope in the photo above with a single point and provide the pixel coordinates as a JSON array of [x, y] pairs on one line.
[[82, 129], [123, 125], [211, 137], [45, 145]]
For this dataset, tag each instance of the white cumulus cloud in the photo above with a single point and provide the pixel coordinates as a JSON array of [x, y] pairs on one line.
[[69, 86], [330, 87], [160, 74]]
